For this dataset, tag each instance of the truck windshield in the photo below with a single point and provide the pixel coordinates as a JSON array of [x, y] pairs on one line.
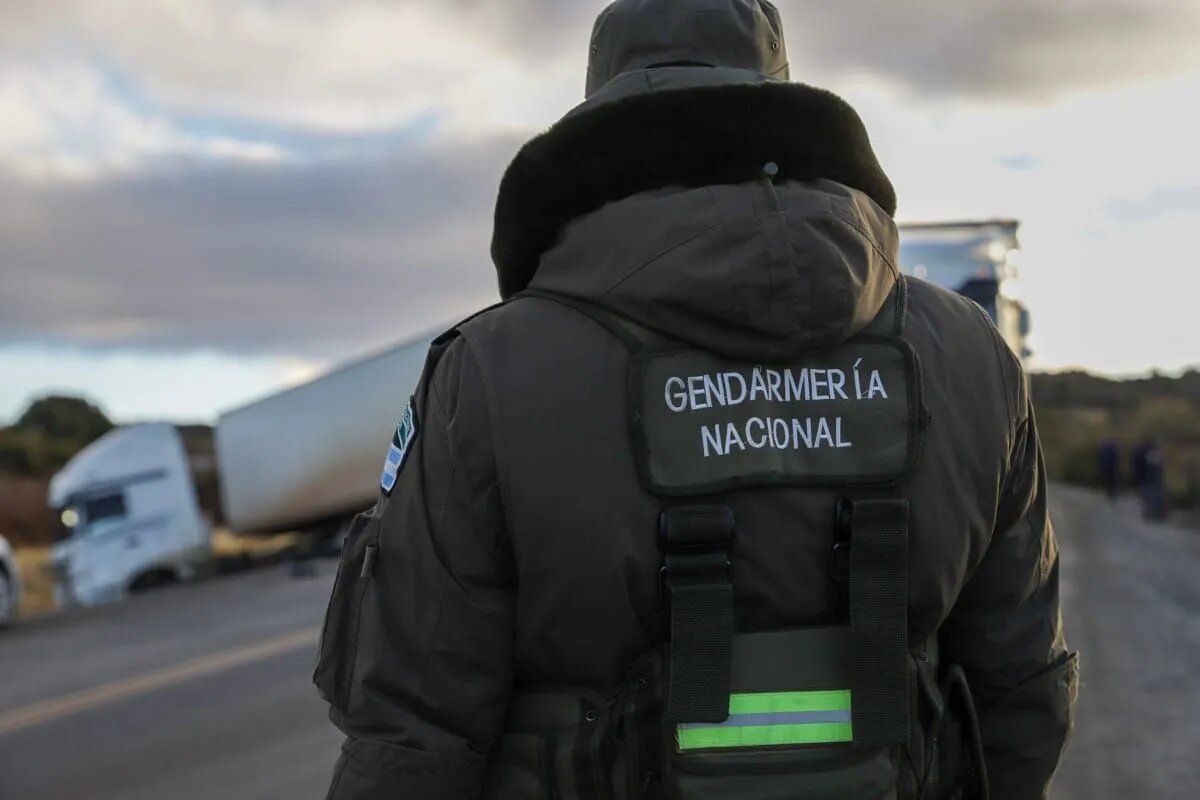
[[952, 262], [102, 513], [106, 507], [91, 515]]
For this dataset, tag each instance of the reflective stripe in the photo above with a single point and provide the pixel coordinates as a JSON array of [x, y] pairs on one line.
[[765, 736], [776, 702], [785, 718], [775, 718]]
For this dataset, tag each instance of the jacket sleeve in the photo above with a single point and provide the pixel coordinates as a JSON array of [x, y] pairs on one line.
[[416, 657], [1006, 630]]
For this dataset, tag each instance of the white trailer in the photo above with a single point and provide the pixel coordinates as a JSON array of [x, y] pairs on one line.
[[128, 516], [309, 458]]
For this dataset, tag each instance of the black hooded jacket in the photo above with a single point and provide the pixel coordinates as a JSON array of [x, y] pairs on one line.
[[518, 545]]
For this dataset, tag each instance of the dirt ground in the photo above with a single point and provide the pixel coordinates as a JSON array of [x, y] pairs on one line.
[[37, 582], [1132, 610]]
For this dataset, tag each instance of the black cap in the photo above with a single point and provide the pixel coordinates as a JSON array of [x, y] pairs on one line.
[[640, 34]]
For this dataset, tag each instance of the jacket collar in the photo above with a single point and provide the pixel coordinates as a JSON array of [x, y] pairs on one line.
[[705, 136]]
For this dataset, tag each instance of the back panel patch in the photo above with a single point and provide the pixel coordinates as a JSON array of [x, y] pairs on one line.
[[703, 423]]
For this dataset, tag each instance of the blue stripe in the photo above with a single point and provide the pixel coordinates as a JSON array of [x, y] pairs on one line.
[[781, 718]]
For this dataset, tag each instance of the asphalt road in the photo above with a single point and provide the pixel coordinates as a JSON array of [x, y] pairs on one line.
[[203, 691], [199, 691]]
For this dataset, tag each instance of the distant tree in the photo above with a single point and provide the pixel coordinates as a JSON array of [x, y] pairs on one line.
[[48, 434], [70, 418], [15, 455]]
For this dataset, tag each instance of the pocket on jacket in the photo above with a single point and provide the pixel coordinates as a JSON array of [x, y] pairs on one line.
[[522, 767], [1046, 700], [789, 733], [783, 774], [339, 645]]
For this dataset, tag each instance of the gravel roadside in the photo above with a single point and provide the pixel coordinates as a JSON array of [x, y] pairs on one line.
[[1132, 608]]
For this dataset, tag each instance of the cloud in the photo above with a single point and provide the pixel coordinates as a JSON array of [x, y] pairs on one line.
[[329, 66], [315, 261], [1016, 50], [62, 119], [1163, 201], [316, 177], [1019, 161], [481, 67]]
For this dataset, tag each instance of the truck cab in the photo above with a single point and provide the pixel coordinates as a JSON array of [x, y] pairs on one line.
[[128, 517], [976, 259]]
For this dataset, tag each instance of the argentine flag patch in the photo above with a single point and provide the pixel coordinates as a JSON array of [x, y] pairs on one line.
[[406, 432]]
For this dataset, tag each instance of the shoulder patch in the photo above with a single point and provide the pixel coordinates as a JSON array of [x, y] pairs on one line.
[[406, 433]]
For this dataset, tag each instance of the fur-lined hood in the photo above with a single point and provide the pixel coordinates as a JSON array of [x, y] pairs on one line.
[[662, 206]]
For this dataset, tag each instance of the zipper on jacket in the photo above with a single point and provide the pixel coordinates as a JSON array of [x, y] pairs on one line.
[[770, 172]]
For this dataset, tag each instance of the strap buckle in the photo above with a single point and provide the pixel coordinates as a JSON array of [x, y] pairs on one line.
[[839, 563], [686, 528], [695, 542], [839, 555]]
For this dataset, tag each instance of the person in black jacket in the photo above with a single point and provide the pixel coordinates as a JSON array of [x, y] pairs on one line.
[[715, 504]]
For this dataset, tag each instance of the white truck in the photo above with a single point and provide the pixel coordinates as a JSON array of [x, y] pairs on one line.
[[977, 259], [305, 460], [128, 517], [309, 458]]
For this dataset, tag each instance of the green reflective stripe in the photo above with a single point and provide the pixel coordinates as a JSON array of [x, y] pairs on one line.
[[765, 735], [751, 717], [776, 702]]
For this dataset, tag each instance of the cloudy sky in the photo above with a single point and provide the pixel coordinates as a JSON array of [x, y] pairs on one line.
[[204, 200]]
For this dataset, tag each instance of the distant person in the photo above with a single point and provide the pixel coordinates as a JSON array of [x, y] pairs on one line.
[[716, 505], [1153, 488], [1137, 466], [1109, 466]]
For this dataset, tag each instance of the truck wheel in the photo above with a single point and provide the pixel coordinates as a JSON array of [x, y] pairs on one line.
[[8, 599]]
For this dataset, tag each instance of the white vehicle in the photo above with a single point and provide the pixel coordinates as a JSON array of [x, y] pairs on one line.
[[129, 516], [10, 585], [310, 457], [977, 259]]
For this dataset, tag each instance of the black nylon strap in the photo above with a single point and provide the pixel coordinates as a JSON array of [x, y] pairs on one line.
[[696, 570], [585, 756], [879, 621]]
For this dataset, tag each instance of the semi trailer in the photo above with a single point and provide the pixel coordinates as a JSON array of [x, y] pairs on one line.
[[309, 458]]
